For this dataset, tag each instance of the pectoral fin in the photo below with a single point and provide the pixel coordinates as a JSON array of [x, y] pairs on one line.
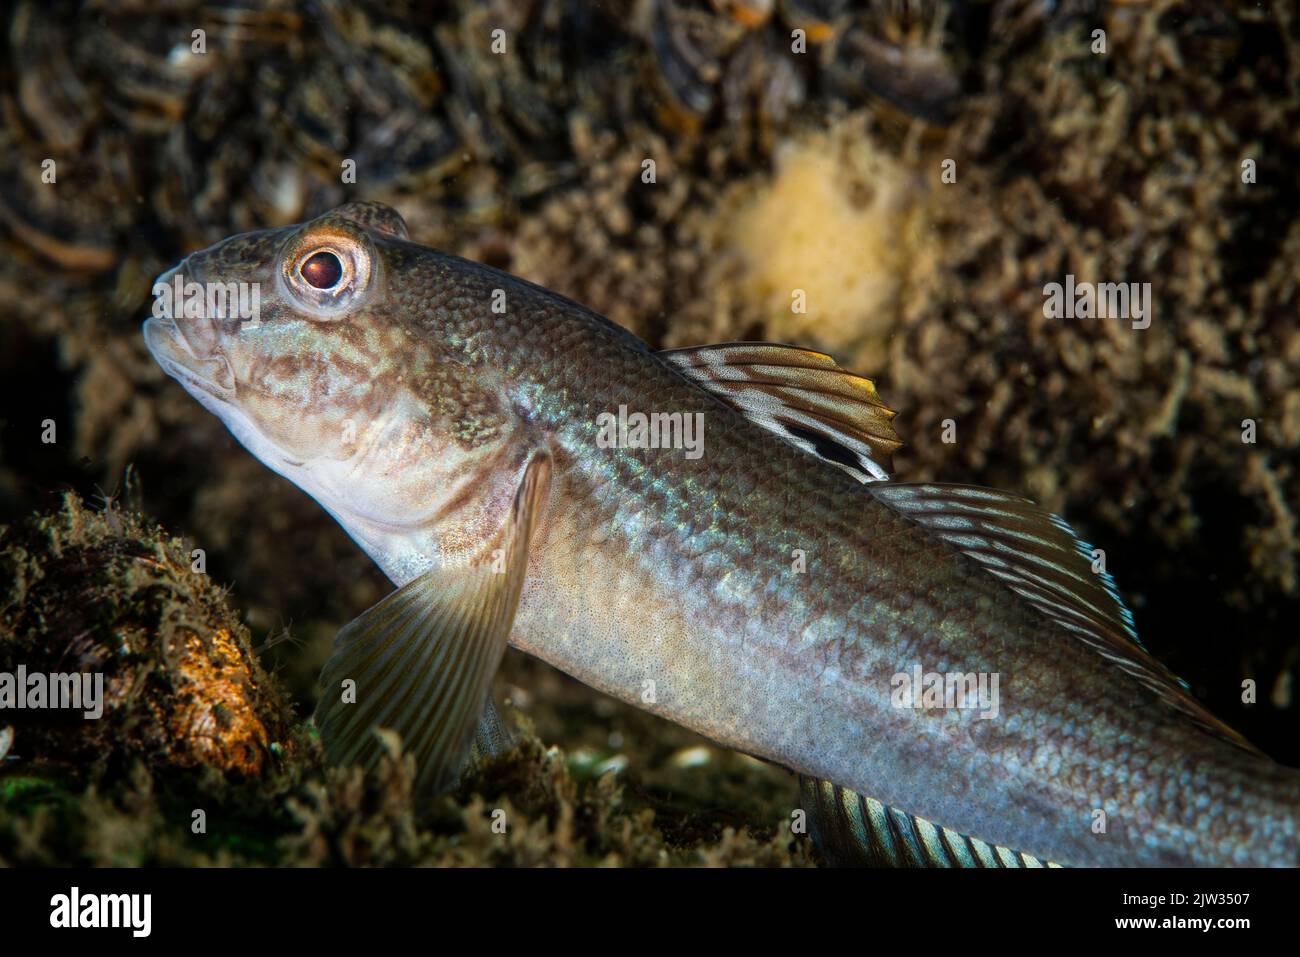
[[423, 658]]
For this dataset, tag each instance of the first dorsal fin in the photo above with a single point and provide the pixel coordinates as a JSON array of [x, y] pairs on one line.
[[802, 396], [1039, 557]]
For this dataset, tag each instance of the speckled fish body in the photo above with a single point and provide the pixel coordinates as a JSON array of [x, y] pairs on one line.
[[755, 594]]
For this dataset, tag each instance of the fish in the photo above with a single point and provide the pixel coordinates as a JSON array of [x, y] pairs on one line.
[[711, 534]]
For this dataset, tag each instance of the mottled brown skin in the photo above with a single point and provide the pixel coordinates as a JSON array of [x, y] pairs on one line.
[[651, 567]]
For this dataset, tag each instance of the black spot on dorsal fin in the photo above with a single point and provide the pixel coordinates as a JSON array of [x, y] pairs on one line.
[[823, 446], [803, 397]]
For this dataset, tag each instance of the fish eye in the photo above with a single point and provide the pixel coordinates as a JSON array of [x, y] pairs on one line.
[[323, 270], [327, 273]]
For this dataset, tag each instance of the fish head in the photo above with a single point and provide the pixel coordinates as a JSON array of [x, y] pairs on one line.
[[325, 370]]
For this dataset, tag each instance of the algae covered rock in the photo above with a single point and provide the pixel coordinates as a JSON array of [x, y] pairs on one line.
[[103, 597]]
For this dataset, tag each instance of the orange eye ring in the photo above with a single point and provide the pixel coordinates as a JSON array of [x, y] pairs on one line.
[[327, 272]]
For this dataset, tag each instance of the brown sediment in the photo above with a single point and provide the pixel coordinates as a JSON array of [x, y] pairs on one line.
[[526, 808]]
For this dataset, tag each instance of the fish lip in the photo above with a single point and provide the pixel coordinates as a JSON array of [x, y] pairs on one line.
[[170, 349]]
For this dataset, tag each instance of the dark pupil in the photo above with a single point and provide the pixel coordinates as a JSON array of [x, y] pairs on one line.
[[322, 270]]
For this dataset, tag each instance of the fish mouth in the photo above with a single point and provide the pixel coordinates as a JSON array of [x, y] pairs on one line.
[[171, 350], [208, 374]]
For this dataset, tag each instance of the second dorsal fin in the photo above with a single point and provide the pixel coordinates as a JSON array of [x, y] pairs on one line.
[[1039, 557], [802, 396]]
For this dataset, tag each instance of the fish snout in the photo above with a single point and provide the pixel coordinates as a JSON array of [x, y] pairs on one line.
[[185, 306], [182, 334]]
